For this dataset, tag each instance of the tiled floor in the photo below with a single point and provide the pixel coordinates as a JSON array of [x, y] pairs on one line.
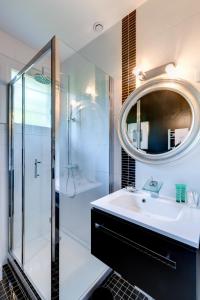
[[3, 291], [123, 290], [10, 287]]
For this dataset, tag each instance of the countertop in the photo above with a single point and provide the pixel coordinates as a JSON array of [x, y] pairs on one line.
[[186, 229]]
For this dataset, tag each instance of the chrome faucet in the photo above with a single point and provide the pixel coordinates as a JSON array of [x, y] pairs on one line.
[[153, 187], [131, 188]]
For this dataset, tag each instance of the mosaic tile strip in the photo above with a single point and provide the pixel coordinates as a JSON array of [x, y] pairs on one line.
[[122, 289], [128, 86]]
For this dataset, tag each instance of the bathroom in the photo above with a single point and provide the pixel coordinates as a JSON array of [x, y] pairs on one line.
[[89, 208]]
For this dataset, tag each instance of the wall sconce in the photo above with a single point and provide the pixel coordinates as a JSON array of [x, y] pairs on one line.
[[139, 73], [169, 68]]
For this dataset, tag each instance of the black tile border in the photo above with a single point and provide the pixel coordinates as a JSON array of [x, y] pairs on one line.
[[13, 288], [122, 289], [128, 86]]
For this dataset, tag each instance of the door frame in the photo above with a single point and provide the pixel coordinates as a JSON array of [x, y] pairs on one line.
[[52, 46]]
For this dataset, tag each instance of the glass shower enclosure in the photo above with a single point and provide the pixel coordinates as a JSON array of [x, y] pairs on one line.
[[59, 161]]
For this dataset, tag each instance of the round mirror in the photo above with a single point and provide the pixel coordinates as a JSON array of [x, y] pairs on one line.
[[159, 122]]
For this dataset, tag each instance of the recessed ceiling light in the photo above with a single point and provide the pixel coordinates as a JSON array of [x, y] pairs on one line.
[[98, 27]]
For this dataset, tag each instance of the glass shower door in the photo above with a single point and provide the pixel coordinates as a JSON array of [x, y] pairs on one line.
[[31, 172], [37, 176]]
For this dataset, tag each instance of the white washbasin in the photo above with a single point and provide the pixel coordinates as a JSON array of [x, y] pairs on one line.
[[162, 215], [143, 203]]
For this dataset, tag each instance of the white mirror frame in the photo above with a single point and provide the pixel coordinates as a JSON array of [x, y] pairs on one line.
[[187, 91]]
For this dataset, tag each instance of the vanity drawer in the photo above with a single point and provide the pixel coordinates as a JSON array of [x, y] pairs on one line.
[[162, 267]]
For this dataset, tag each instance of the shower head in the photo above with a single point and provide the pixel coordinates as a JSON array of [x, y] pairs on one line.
[[42, 78]]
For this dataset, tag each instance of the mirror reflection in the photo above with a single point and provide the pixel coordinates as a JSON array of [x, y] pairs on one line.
[[159, 122]]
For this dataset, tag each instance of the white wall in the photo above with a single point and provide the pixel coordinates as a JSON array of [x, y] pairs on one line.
[[166, 32], [13, 54], [169, 33], [105, 52]]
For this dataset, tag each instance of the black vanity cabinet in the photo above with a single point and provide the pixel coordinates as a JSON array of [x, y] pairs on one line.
[[162, 267]]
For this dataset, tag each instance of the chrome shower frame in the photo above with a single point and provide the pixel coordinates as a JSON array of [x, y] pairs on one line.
[[52, 46]]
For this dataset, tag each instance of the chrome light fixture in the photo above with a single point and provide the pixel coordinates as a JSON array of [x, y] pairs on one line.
[[169, 68], [139, 73]]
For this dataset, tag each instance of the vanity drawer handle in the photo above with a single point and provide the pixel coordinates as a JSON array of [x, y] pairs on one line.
[[159, 257], [96, 225]]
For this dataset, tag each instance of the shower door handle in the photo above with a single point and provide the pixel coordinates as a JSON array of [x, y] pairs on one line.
[[36, 174]]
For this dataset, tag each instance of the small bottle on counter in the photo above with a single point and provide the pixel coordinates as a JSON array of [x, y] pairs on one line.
[[180, 192]]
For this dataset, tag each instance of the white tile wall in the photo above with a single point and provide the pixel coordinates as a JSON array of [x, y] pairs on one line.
[[89, 145], [105, 52]]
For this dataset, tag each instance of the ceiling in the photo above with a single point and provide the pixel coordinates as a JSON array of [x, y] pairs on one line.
[[35, 22]]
